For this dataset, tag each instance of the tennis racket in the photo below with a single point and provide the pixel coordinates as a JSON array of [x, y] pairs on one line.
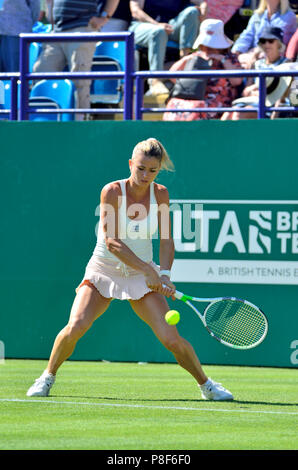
[[236, 323]]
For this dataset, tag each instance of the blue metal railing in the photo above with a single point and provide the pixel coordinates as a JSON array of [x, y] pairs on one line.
[[129, 77], [127, 74], [13, 111], [261, 74]]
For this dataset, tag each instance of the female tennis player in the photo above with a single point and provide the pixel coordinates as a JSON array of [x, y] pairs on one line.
[[121, 267]]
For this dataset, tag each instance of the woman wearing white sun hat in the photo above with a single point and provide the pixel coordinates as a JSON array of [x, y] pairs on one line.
[[213, 47], [212, 35]]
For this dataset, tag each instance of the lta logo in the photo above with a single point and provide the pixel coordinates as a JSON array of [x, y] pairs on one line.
[[259, 231], [235, 241]]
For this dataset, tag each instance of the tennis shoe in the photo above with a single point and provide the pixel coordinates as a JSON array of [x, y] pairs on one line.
[[41, 386], [211, 390]]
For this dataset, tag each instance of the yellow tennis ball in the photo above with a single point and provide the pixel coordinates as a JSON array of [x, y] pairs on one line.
[[172, 317]]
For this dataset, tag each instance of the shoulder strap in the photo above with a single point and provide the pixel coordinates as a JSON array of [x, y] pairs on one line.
[[122, 208], [123, 187], [152, 193]]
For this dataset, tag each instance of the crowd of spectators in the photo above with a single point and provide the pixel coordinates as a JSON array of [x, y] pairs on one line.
[[214, 48], [189, 24], [271, 43]]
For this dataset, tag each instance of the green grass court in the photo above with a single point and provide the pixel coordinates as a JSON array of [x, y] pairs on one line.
[[123, 406]]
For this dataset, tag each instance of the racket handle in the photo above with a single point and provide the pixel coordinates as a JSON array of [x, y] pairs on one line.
[[177, 294]]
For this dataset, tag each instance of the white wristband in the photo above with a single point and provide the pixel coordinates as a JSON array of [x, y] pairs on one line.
[[165, 272]]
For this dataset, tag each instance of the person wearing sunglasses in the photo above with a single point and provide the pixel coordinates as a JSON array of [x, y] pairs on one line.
[[269, 14], [272, 45]]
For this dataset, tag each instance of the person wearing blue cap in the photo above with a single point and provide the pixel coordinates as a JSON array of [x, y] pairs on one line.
[[271, 43], [270, 13]]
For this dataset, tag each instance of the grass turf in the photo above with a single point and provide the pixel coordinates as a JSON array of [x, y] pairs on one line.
[[103, 406]]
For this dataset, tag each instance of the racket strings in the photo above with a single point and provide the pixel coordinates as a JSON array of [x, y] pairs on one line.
[[235, 322]]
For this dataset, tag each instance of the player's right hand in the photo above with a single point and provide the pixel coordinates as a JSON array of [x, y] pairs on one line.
[[152, 279]]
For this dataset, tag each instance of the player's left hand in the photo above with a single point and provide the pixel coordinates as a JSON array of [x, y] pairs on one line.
[[168, 289]]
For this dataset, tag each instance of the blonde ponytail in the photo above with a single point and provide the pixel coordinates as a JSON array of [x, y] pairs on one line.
[[153, 148]]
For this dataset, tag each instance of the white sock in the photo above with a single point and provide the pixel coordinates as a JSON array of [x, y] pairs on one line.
[[206, 384], [45, 374]]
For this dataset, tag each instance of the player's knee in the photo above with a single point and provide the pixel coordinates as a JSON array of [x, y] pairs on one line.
[[173, 344], [76, 329]]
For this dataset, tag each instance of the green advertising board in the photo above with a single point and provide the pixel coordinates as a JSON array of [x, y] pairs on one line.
[[234, 206], [236, 241]]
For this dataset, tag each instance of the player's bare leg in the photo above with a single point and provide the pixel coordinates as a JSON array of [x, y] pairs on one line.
[[152, 309], [87, 307]]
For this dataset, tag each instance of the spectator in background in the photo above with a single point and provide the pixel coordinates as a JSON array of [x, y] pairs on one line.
[[270, 13], [157, 21], [16, 16], [46, 11], [271, 42], [292, 49], [223, 9], [202, 7], [78, 17], [214, 48], [120, 20]]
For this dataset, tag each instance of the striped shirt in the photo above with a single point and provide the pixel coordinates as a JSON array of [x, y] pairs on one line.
[[70, 14]]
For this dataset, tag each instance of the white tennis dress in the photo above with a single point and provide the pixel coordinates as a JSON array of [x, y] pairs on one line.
[[111, 277]]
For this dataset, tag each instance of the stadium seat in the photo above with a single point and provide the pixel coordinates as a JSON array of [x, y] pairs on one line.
[[106, 91], [5, 97], [173, 44], [36, 47], [34, 51], [113, 49], [54, 94]]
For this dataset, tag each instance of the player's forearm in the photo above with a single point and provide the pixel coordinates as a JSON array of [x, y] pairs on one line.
[[166, 254], [124, 254]]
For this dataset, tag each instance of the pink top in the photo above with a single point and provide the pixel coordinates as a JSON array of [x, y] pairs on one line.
[[292, 49], [223, 9]]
